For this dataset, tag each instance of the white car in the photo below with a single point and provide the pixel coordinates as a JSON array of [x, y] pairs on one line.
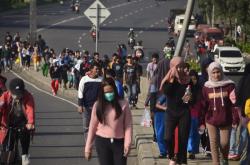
[[230, 59]]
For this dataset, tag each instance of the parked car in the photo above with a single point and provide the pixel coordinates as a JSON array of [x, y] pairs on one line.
[[230, 59]]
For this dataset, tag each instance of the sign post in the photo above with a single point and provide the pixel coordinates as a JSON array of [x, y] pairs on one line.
[[97, 13]]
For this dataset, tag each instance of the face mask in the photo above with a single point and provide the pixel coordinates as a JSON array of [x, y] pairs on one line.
[[109, 96]]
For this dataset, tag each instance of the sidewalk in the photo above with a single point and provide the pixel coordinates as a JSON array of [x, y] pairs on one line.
[[146, 150]]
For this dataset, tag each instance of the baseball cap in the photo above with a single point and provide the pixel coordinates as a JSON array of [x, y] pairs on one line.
[[16, 87]]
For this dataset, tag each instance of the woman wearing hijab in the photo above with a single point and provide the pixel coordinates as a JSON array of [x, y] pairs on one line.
[[218, 100], [174, 85]]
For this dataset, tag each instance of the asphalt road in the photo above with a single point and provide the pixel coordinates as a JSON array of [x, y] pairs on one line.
[[61, 27], [58, 139]]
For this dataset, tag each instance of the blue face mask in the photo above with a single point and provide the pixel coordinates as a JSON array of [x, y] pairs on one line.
[[109, 96]]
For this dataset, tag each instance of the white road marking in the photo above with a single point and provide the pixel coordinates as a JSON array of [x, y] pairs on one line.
[[80, 38], [126, 15], [116, 20], [156, 23], [121, 17], [110, 22], [75, 18], [104, 24], [84, 34], [80, 46], [140, 32], [151, 25], [58, 23], [43, 91]]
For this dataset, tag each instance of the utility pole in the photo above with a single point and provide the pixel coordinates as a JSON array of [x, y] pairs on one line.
[[33, 22], [181, 40]]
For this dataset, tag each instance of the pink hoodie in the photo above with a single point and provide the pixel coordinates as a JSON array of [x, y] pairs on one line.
[[119, 128]]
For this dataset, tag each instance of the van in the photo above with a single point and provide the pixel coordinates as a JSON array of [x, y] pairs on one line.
[[230, 59], [178, 25]]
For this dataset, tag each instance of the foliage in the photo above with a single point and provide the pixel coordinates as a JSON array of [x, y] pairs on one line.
[[194, 65], [229, 41], [228, 11], [244, 47]]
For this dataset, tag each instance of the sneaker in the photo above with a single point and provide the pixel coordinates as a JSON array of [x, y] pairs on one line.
[[191, 156], [162, 156]]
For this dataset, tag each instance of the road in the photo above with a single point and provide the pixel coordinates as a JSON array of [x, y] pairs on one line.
[[58, 139], [61, 27]]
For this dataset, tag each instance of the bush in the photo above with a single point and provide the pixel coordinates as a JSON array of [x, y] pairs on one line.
[[228, 41], [244, 47]]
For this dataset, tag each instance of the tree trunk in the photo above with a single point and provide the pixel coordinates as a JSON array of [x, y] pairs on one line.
[[230, 26]]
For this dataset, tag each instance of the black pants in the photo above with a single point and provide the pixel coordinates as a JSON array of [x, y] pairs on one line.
[[12, 138], [110, 153], [183, 123]]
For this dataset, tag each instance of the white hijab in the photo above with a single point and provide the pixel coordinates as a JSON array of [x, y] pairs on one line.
[[211, 83]]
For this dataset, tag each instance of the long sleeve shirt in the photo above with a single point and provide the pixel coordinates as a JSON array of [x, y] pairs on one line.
[[113, 128], [88, 90]]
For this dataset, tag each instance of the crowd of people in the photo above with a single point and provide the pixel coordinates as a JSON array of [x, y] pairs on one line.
[[188, 110]]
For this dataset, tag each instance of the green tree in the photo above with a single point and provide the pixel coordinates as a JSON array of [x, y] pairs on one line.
[[243, 17]]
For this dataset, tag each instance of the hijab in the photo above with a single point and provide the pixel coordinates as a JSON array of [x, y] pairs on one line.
[[211, 83]]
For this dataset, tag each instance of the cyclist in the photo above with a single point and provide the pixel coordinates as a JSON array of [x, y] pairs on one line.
[[17, 117]]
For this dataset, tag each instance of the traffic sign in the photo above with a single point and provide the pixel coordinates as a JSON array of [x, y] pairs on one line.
[[97, 13]]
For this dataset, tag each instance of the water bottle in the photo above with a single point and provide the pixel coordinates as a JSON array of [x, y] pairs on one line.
[[188, 91]]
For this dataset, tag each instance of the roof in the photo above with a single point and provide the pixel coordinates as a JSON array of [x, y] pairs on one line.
[[228, 48]]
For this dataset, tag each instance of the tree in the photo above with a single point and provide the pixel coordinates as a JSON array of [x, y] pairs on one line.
[[243, 16]]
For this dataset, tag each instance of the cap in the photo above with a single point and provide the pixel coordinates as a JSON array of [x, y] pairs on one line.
[[16, 87]]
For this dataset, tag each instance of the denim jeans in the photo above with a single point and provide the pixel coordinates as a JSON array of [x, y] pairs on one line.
[[86, 116], [246, 156], [237, 147], [233, 149], [132, 93], [194, 137], [159, 123]]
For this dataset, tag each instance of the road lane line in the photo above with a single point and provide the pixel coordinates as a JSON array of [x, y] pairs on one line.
[[43, 91]]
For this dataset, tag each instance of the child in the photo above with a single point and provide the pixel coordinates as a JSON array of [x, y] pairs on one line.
[[159, 124], [195, 107]]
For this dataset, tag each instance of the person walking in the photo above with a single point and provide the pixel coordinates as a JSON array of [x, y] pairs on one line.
[[88, 92], [219, 99], [130, 80], [195, 108], [175, 85], [110, 126], [159, 124], [54, 72], [243, 93], [17, 113]]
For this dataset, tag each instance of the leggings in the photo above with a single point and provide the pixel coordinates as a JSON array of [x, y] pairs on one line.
[[183, 123], [110, 152], [222, 142]]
